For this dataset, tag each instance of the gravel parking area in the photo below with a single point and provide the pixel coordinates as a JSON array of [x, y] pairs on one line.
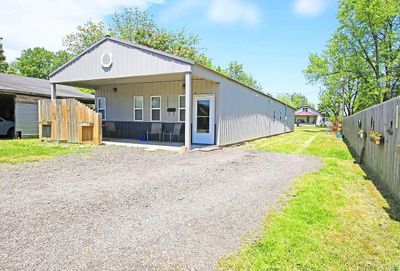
[[119, 208]]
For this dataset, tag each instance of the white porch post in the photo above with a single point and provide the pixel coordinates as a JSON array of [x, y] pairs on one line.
[[188, 110], [53, 91]]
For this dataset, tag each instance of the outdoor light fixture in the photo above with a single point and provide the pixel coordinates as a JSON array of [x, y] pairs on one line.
[[115, 89]]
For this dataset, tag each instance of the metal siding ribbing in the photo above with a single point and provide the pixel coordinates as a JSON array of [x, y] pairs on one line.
[[247, 114], [26, 119], [120, 103], [127, 61], [382, 160]]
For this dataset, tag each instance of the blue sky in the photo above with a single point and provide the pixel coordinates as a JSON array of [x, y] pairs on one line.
[[274, 49], [272, 38]]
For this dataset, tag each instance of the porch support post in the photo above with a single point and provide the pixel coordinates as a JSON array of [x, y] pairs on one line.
[[188, 110], [53, 91]]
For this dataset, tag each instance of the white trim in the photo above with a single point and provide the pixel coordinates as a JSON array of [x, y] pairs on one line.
[[180, 108], [137, 108], [151, 109], [105, 106]]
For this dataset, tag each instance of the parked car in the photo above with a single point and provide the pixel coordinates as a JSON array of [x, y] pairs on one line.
[[6, 128]]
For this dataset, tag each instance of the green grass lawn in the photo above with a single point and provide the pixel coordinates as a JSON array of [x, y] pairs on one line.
[[335, 219], [29, 150]]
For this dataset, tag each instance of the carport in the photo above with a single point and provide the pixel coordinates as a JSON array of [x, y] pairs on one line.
[[7, 114], [19, 102]]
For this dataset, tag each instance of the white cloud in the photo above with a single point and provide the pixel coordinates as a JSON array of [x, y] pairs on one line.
[[310, 7], [230, 11], [28, 23]]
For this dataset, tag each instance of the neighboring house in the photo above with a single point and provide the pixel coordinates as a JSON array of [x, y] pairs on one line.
[[308, 115], [137, 86], [19, 101]]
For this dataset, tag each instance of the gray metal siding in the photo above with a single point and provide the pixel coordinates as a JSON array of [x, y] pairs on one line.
[[120, 104], [26, 119], [127, 61], [247, 114]]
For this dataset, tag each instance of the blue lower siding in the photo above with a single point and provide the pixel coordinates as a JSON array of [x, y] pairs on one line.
[[133, 130]]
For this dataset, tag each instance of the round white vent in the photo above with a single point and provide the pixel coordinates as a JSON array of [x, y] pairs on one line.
[[106, 59]]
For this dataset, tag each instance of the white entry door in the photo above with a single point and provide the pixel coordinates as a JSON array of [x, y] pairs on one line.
[[203, 119]]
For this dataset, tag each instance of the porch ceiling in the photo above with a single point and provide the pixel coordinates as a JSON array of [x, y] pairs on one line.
[[95, 83]]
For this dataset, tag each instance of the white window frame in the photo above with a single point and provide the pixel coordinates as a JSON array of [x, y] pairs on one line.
[[151, 109], [180, 108], [137, 108], [104, 116]]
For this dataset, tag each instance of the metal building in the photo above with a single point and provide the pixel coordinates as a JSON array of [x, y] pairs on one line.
[[137, 86]]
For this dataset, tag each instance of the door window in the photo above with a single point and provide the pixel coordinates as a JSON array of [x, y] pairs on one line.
[[203, 116]]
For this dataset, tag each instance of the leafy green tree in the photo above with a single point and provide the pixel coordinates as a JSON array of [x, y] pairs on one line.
[[236, 72], [38, 62], [295, 100], [85, 36], [3, 63], [372, 28], [361, 65], [137, 26]]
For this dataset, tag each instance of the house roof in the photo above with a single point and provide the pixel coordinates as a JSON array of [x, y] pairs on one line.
[[15, 84], [307, 114], [131, 44]]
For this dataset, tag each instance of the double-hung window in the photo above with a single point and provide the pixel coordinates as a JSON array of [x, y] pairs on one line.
[[181, 108], [138, 108], [155, 108], [101, 107]]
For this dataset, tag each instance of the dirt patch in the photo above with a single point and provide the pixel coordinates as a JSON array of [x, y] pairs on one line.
[[126, 209]]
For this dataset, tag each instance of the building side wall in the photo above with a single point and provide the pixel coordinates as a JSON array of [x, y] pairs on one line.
[[127, 61], [246, 114], [120, 104]]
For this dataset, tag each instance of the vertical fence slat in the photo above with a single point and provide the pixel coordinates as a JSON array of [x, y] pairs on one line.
[[70, 120], [382, 160]]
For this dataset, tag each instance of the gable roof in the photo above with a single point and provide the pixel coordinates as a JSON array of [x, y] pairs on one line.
[[313, 112], [15, 84], [131, 44]]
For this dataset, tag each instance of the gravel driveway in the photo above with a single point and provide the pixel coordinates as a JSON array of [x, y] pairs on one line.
[[119, 208]]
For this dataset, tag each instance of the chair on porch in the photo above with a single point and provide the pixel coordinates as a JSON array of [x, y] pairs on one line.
[[176, 132], [156, 129]]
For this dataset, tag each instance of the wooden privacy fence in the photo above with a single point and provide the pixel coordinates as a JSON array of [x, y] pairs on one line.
[[375, 137], [70, 121]]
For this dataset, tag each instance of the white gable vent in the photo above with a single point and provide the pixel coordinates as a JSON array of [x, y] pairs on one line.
[[106, 59]]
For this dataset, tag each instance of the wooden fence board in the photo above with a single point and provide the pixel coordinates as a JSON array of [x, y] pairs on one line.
[[70, 120], [383, 160]]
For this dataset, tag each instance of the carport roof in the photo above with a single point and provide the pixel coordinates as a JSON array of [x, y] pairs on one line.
[[14, 84]]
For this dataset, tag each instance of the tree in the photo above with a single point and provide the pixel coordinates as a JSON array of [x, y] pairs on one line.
[[295, 100], [361, 64], [38, 62], [138, 26], [3, 63], [85, 36], [236, 72]]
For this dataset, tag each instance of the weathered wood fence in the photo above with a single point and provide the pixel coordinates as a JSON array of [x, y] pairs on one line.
[[382, 157], [70, 121]]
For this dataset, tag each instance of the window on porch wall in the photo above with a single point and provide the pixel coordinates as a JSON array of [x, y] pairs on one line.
[[138, 108], [155, 108], [181, 108]]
